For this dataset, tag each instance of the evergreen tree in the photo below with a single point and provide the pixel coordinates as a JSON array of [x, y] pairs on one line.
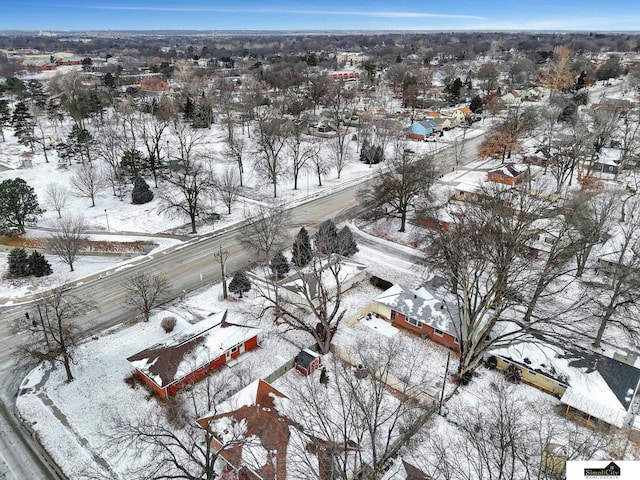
[[301, 252], [109, 81], [39, 265], [22, 122], [240, 283], [327, 238], [36, 92], [279, 265], [133, 163], [346, 243], [189, 109], [18, 202], [141, 192], [5, 116], [452, 91], [80, 143], [476, 105], [18, 261]]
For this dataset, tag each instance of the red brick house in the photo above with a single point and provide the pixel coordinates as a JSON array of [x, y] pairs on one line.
[[508, 174], [420, 312], [187, 357], [267, 436]]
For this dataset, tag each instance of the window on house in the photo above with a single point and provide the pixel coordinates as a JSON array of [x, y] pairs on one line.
[[393, 315], [413, 321], [438, 332], [234, 349], [455, 340], [532, 373]]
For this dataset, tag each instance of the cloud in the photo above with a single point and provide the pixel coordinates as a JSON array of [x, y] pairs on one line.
[[284, 11]]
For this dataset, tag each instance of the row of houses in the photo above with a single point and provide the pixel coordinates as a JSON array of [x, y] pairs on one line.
[[600, 390]]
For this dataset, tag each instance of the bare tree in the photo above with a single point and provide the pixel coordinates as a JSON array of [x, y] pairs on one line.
[[484, 255], [369, 408], [68, 239], [174, 440], [591, 217], [151, 130], [56, 197], [235, 150], [403, 181], [40, 136], [266, 230], [341, 101], [191, 184], [615, 291], [110, 147], [227, 187], [146, 291], [53, 328], [271, 142], [87, 182], [495, 439]]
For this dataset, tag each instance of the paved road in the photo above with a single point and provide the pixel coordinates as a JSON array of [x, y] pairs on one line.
[[187, 267]]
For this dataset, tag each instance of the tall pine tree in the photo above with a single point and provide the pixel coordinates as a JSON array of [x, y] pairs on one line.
[[327, 238], [346, 244], [301, 252], [279, 265], [22, 122]]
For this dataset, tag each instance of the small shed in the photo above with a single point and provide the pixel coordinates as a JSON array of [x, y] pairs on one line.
[[307, 361]]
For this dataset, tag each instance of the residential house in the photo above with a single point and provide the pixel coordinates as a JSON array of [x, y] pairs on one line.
[[597, 387], [444, 123], [302, 287], [154, 84], [618, 250], [420, 312], [534, 94], [266, 437], [609, 160], [461, 115], [508, 174], [512, 99], [421, 130], [187, 357]]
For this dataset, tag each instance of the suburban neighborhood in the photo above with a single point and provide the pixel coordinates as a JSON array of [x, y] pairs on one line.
[[356, 256]]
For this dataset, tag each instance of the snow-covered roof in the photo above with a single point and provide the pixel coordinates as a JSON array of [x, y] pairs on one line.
[[596, 384], [621, 245], [348, 269], [509, 170], [171, 360], [420, 305]]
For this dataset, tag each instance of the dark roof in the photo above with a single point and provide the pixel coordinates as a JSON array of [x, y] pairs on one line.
[[305, 358], [621, 377]]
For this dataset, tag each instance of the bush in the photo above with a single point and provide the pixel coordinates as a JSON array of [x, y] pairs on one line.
[[168, 324], [513, 374], [141, 192], [39, 265]]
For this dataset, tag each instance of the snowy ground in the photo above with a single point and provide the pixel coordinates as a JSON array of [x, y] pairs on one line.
[[77, 414], [115, 216]]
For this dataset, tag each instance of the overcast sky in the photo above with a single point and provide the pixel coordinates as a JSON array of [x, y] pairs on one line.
[[588, 15]]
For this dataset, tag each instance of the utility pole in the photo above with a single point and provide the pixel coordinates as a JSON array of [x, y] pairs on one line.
[[222, 255], [444, 382]]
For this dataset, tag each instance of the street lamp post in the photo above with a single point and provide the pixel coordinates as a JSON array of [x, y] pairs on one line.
[[107, 217], [222, 255]]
